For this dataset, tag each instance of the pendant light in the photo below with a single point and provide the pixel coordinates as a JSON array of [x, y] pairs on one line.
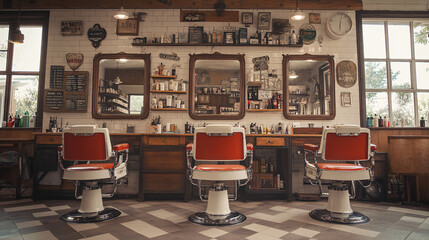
[[298, 15], [117, 80], [121, 14], [293, 75], [16, 36]]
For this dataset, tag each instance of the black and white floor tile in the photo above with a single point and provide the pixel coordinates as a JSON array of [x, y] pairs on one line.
[[268, 220]]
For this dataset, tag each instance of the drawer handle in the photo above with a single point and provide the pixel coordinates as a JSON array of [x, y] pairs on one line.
[[164, 140], [269, 141]]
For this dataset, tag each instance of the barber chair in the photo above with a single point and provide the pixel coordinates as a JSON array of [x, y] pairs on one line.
[[337, 159], [213, 161], [89, 144]]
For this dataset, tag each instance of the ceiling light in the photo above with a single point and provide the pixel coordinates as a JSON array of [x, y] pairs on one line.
[[16, 36], [293, 75], [117, 80], [121, 14], [298, 15]]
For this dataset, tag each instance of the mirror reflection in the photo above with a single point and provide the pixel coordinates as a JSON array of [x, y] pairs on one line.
[[310, 88], [121, 86], [217, 87]]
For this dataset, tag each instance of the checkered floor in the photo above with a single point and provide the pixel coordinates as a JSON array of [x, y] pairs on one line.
[[25, 219]]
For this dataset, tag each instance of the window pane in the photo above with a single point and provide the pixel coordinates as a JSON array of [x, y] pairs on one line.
[[376, 103], [400, 74], [399, 41], [423, 105], [375, 75], [4, 36], [24, 95], [26, 56], [374, 45], [403, 108], [2, 95], [421, 42], [422, 72], [136, 104]]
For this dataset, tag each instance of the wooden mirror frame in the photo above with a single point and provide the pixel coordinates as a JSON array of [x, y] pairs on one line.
[[216, 56], [95, 85], [286, 59]]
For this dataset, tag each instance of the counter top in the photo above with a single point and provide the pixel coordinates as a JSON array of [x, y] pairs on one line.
[[189, 135]]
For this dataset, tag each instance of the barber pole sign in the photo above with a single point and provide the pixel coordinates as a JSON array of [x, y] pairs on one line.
[[74, 60]]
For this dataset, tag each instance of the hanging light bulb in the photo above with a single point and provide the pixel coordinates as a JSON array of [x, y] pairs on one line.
[[298, 15], [16, 36], [121, 14]]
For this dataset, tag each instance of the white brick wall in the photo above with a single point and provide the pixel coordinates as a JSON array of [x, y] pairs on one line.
[[396, 5], [159, 22]]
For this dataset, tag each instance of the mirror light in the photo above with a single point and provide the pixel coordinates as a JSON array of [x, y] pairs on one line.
[[121, 14], [293, 75]]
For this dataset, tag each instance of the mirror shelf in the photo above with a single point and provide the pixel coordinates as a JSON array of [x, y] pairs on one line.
[[217, 44], [309, 87]]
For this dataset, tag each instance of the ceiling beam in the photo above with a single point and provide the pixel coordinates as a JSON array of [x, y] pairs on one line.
[[187, 4]]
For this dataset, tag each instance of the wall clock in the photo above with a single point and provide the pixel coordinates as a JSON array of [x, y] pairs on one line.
[[338, 25]]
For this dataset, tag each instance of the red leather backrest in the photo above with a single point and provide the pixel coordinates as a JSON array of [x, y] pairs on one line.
[[222, 148], [348, 148], [84, 147]]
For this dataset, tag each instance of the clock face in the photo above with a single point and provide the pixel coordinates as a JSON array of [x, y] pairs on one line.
[[340, 24]]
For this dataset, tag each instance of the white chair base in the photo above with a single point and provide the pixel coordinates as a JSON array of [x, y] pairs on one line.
[[91, 209], [338, 209], [217, 212]]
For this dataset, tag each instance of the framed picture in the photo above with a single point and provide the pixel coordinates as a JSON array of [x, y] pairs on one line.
[[247, 18], [229, 37], [196, 34], [128, 27], [314, 18], [346, 100], [71, 28], [346, 73], [281, 26], [264, 20]]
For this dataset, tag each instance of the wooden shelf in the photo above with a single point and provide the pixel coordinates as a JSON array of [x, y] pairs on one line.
[[163, 76], [255, 84], [264, 110], [169, 109], [175, 92], [213, 44], [298, 95]]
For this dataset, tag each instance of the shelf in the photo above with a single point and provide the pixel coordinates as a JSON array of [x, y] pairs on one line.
[[298, 95], [114, 95], [255, 84], [163, 76], [168, 109], [175, 92], [264, 110], [213, 44], [114, 104]]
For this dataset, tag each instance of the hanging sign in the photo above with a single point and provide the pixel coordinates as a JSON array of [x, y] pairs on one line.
[[96, 34], [74, 60], [260, 63], [173, 56]]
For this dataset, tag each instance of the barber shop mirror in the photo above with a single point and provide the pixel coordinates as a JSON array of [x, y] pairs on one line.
[[120, 86], [216, 86], [309, 86]]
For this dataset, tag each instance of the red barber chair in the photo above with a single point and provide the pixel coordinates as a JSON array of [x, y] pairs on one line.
[[217, 152], [337, 159], [89, 144]]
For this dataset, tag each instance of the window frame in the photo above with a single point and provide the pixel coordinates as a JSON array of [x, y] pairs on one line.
[[384, 16], [27, 18]]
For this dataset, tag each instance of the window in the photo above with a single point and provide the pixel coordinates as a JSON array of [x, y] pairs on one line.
[[22, 66], [394, 64]]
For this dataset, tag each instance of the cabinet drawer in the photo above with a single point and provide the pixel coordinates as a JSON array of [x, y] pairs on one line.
[[164, 141], [164, 160], [46, 139], [270, 141], [163, 183]]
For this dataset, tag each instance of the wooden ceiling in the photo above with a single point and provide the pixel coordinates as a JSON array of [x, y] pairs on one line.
[[184, 4]]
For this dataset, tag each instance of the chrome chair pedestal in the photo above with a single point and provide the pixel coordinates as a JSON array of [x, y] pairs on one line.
[[203, 218], [327, 216], [78, 217]]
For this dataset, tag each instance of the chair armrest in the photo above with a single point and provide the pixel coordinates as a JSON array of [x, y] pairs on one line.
[[121, 147], [311, 147], [189, 155]]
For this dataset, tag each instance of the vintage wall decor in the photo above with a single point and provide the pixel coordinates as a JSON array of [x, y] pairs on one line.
[[314, 18], [71, 28], [196, 34], [247, 18], [346, 73], [338, 25], [308, 34], [281, 26], [194, 17], [264, 21], [260, 63], [172, 56], [74, 60], [128, 27], [96, 34], [346, 99]]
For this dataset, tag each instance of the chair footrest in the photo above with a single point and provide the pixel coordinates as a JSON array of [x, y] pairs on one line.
[[328, 216], [78, 217], [203, 218]]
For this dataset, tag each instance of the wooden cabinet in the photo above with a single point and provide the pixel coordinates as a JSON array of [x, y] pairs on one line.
[[163, 166]]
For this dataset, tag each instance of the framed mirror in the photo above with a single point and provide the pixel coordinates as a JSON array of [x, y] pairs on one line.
[[121, 86], [216, 86], [309, 87]]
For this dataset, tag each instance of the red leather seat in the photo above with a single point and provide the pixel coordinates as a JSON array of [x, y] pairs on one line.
[[340, 167], [90, 166], [214, 167]]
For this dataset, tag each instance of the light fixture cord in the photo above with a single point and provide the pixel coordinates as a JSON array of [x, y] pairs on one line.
[[297, 4], [19, 12]]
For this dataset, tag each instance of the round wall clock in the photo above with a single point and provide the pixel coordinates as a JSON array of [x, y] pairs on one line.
[[308, 34], [346, 73], [338, 25]]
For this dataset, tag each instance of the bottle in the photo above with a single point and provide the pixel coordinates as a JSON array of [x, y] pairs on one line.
[[422, 122], [293, 37], [385, 122], [17, 120], [402, 122], [380, 121], [11, 121], [368, 122], [376, 120], [371, 118]]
